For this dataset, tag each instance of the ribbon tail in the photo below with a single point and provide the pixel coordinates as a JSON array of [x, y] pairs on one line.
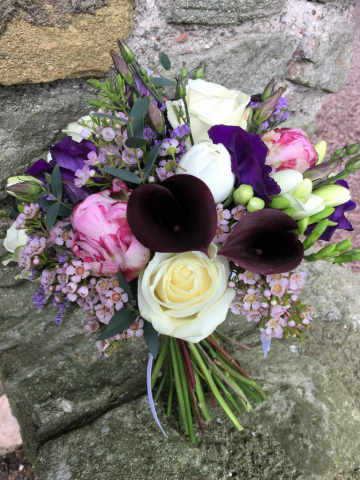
[[150, 395], [265, 344]]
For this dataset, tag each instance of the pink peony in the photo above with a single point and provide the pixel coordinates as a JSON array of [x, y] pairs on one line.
[[103, 238], [289, 149]]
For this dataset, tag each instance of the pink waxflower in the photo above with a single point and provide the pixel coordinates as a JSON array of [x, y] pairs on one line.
[[253, 316], [29, 212], [289, 149], [104, 313], [35, 246], [102, 345], [91, 326], [24, 262], [103, 237], [278, 287], [60, 235], [297, 280], [83, 175], [274, 328], [108, 134], [251, 300], [221, 234], [222, 215], [47, 279], [250, 278], [239, 212]]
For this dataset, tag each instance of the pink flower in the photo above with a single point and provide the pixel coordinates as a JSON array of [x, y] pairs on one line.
[[297, 280], [289, 149], [274, 328], [83, 175], [35, 246], [104, 240], [250, 278], [60, 235], [239, 212], [29, 212], [108, 134], [278, 287]]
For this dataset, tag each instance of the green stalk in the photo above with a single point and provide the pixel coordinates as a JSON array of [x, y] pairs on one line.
[[201, 398], [227, 394], [159, 362], [162, 383], [212, 386], [227, 339], [188, 119], [251, 393], [184, 386], [247, 381], [178, 387], [236, 386], [171, 387]]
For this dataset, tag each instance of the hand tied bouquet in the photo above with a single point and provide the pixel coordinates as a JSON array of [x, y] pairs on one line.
[[159, 214]]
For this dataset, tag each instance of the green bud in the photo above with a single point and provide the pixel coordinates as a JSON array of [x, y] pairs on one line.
[[269, 90], [266, 109], [183, 73], [344, 245], [121, 67], [126, 53], [302, 225], [338, 152], [303, 192], [319, 230], [180, 91], [352, 165], [352, 149], [324, 252], [333, 195], [243, 194], [97, 84], [24, 187], [320, 147], [155, 118], [289, 211], [321, 215], [279, 203], [144, 72], [120, 82], [255, 204], [200, 72], [332, 224]]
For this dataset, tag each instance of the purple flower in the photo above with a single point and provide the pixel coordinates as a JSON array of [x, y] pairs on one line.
[[338, 216], [248, 154], [70, 156]]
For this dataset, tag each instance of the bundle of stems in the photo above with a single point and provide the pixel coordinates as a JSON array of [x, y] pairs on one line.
[[196, 369]]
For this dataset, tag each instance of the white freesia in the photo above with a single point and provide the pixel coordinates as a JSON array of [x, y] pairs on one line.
[[212, 164], [185, 295], [288, 180], [209, 104], [333, 195], [314, 204], [73, 130], [14, 238]]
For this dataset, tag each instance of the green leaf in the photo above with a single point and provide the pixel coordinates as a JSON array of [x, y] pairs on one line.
[[98, 103], [135, 142], [56, 185], [51, 215], [119, 327], [64, 211], [112, 117], [151, 338], [119, 318], [164, 60], [125, 286], [97, 84], [151, 159], [46, 204], [163, 81], [68, 227], [123, 174], [140, 108]]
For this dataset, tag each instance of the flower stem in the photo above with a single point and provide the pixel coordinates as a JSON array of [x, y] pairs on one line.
[[160, 361], [194, 348], [162, 383], [201, 398], [227, 394], [184, 387], [247, 381], [233, 342], [171, 387], [136, 154], [226, 355], [179, 391], [188, 120]]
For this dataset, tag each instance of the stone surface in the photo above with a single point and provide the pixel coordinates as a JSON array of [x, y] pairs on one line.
[[10, 439], [214, 12], [49, 41]]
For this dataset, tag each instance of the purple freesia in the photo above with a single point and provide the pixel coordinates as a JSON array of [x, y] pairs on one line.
[[70, 156], [338, 216], [248, 154]]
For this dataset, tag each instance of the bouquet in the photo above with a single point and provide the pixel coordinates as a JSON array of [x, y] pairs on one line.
[[177, 201]]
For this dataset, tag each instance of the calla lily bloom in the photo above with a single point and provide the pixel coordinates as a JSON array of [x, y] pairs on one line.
[[177, 216], [264, 242]]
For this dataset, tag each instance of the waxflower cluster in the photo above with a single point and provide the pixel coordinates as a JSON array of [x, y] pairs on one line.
[[272, 302]]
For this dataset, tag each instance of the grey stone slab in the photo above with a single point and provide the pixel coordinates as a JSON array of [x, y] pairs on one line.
[[214, 12]]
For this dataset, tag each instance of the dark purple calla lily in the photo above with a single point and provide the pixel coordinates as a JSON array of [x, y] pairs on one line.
[[338, 216], [177, 216], [262, 242], [248, 154], [70, 156]]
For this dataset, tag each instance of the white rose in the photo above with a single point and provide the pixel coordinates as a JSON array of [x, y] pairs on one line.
[[185, 295], [73, 130], [212, 164], [209, 104], [14, 238]]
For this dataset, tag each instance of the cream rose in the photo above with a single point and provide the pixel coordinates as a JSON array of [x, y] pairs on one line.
[[185, 295], [209, 104]]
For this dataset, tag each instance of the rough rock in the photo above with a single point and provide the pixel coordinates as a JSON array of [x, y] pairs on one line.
[[214, 12], [10, 439], [47, 43]]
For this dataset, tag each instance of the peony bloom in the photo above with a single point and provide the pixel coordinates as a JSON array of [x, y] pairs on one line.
[[289, 148], [212, 164], [185, 295], [209, 104], [103, 238]]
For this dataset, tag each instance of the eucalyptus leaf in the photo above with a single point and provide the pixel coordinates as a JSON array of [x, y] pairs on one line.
[[64, 211], [123, 174], [140, 108], [119, 317], [164, 60], [151, 158], [51, 215], [135, 142], [165, 82], [119, 328], [151, 338], [46, 204], [112, 117], [56, 185], [68, 227], [137, 126], [125, 286]]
